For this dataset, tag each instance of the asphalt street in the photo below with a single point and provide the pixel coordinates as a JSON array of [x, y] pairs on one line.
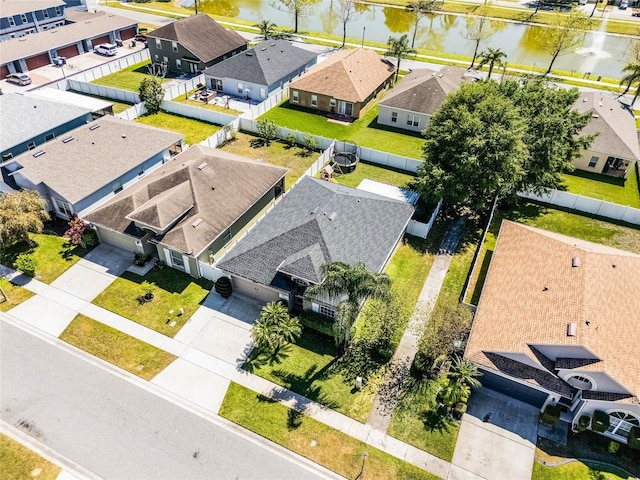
[[116, 429]]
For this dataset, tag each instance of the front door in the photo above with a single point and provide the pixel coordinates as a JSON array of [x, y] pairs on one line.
[[345, 108]]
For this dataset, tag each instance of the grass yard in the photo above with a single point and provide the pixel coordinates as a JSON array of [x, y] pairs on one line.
[[15, 295], [576, 471], [173, 290], [365, 131], [602, 187], [312, 439], [295, 159], [18, 462], [118, 107], [374, 172], [558, 221], [115, 347], [194, 131], [126, 79], [54, 255]]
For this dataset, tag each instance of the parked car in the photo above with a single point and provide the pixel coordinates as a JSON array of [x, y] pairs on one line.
[[108, 49], [140, 38], [623, 5], [635, 13], [19, 78]]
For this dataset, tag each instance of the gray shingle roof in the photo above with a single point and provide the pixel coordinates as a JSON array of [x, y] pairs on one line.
[[93, 158], [424, 90], [201, 35], [264, 64], [181, 186], [23, 118], [318, 222]]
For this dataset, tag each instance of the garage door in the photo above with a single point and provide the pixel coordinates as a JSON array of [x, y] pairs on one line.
[[513, 389], [70, 51], [127, 33], [120, 240], [4, 71], [97, 41], [254, 290], [38, 61]]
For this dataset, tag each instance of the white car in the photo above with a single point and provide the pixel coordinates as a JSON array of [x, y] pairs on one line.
[[108, 49], [19, 78]]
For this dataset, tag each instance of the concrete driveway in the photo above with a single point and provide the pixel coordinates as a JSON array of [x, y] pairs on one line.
[[497, 439]]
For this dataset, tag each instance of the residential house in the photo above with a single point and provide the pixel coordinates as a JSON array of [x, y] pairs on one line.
[[28, 122], [346, 83], [191, 44], [24, 17], [558, 322], [187, 211], [260, 70], [80, 34], [615, 149], [412, 102], [315, 223], [87, 166]]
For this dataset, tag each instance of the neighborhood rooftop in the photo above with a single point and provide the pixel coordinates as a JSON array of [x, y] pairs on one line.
[[83, 160], [25, 117], [538, 285], [68, 97], [205, 190], [264, 64], [350, 75], [201, 35], [319, 222], [10, 8]]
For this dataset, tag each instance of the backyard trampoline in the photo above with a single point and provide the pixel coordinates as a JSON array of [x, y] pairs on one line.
[[345, 157]]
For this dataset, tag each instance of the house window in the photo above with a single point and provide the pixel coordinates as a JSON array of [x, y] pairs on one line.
[[179, 64], [165, 60], [240, 90], [218, 84], [174, 46], [58, 11], [177, 260], [12, 22], [31, 145], [314, 101], [394, 117], [620, 423], [49, 136], [327, 311], [23, 17], [156, 58], [45, 13], [158, 44], [580, 382], [63, 207], [412, 120], [294, 96], [332, 103], [593, 162], [263, 93]]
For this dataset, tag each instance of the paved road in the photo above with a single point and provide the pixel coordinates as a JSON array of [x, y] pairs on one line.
[[116, 429]]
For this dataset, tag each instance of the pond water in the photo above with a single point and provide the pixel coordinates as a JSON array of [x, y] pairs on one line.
[[601, 54]]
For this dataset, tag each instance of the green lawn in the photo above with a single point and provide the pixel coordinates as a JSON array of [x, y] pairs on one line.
[[18, 462], [126, 79], [194, 131], [554, 220], [295, 159], [15, 295], [118, 107], [117, 348], [374, 172], [53, 253], [576, 471], [173, 290], [365, 131], [308, 437], [602, 187]]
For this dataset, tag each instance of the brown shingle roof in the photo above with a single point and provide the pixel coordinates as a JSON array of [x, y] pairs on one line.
[[350, 75], [218, 194], [614, 124], [532, 293], [201, 35]]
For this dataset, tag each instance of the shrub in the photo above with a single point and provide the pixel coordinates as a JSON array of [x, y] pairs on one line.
[[90, 239], [600, 421], [613, 446], [550, 415], [310, 142], [459, 410], [267, 130], [292, 139], [633, 439], [223, 287], [27, 264], [583, 423]]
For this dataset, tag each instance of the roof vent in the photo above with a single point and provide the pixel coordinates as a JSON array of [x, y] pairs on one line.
[[93, 127], [575, 262], [264, 49], [39, 153], [571, 329], [67, 140], [197, 222], [124, 135], [315, 210], [595, 115], [272, 44], [202, 166], [249, 54], [333, 216], [584, 100]]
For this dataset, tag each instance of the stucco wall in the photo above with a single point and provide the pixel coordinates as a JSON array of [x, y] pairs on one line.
[[582, 163], [384, 118]]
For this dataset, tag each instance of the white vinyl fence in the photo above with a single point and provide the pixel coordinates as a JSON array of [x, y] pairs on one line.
[[183, 88], [132, 113], [210, 272], [275, 99], [419, 229], [118, 94], [191, 111], [588, 205], [222, 136]]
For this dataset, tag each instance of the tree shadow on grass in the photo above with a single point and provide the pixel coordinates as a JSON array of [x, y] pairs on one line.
[[437, 420], [304, 384], [258, 359], [373, 124], [168, 279]]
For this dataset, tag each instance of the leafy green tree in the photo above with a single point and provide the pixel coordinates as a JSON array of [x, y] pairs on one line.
[[350, 286], [631, 77], [267, 130], [275, 328], [21, 212], [420, 9], [299, 8], [399, 48], [492, 57], [565, 34], [479, 27], [452, 393], [267, 29], [152, 94]]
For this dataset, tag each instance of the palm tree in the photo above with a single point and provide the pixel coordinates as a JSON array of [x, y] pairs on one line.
[[464, 372], [493, 57], [267, 28], [351, 285], [399, 48], [630, 78], [452, 393], [275, 328]]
